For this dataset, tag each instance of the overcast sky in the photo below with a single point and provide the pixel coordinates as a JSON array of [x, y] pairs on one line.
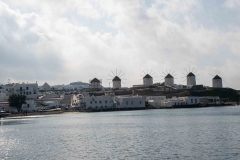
[[60, 41]]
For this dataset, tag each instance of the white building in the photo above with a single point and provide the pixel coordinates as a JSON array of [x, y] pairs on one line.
[[191, 79], [147, 80], [181, 101], [169, 80], [29, 106], [2, 90], [217, 82], [95, 83], [3, 96], [190, 101], [30, 90], [116, 82], [98, 102], [70, 100], [130, 102], [4, 106], [155, 101], [210, 100]]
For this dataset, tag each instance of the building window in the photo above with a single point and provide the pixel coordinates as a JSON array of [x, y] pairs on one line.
[[100, 102], [26, 88], [126, 102], [90, 102], [140, 102]]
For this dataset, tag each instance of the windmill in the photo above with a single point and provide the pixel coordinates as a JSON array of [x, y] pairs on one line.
[[191, 76], [217, 81], [147, 78], [116, 79], [168, 77], [95, 83]]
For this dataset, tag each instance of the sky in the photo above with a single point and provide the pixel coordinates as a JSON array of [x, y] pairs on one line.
[[62, 41]]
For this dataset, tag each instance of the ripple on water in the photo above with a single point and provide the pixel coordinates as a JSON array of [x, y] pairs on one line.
[[206, 133]]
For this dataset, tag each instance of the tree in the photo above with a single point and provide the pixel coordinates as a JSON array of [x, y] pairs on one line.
[[17, 101]]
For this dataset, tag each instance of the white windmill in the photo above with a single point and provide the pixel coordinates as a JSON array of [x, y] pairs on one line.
[[147, 78], [217, 82], [95, 83], [168, 78], [117, 79]]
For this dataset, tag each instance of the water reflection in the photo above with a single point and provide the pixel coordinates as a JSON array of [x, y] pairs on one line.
[[15, 121]]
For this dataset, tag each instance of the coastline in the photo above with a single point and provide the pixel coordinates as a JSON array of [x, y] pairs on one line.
[[108, 110], [33, 114]]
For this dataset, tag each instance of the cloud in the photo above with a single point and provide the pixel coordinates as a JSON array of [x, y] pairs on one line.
[[232, 4], [63, 41], [25, 55]]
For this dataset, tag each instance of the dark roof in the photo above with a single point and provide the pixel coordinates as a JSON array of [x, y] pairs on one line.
[[147, 76], [95, 80], [191, 74], [169, 76], [116, 78], [217, 77]]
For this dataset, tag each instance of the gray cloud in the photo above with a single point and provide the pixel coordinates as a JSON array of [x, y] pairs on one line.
[[63, 41], [21, 56]]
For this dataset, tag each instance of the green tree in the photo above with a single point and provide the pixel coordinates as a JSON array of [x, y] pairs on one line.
[[17, 101]]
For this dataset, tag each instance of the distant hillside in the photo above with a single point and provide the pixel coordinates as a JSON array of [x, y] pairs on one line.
[[78, 83], [72, 86], [224, 93]]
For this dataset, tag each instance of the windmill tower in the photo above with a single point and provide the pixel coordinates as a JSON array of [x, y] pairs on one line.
[[191, 79], [217, 82], [116, 82], [95, 83], [169, 80], [117, 79], [167, 77], [147, 80]]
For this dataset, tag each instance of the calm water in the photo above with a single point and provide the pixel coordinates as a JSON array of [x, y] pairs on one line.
[[204, 133]]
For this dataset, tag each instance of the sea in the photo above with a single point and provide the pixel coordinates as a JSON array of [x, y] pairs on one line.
[[196, 133]]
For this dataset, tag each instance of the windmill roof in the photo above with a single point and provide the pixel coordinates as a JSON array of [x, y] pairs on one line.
[[217, 77], [147, 76], [46, 85], [116, 78], [169, 76], [95, 80], [190, 74]]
